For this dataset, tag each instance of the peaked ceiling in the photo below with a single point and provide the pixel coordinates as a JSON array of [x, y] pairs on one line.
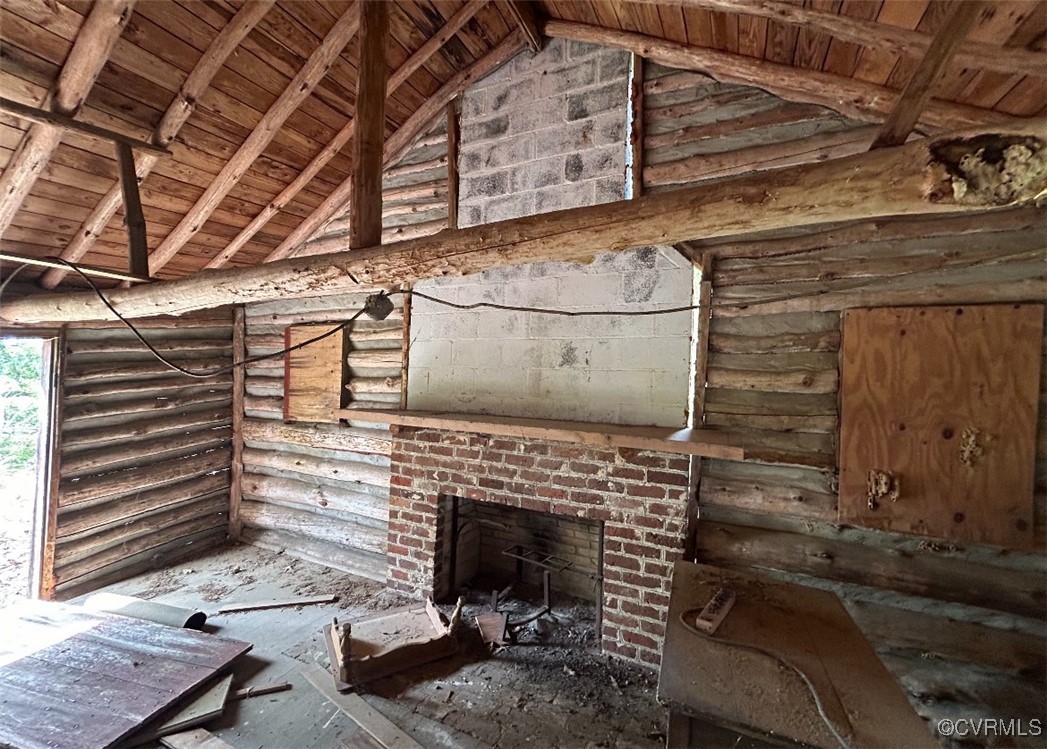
[[251, 159]]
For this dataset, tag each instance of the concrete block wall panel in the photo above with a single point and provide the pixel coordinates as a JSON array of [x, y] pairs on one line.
[[546, 133]]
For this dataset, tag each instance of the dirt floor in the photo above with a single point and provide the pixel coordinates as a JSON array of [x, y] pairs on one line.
[[17, 493], [553, 688]]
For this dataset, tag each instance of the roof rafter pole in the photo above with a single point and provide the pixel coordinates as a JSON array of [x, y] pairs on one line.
[[396, 146], [849, 96], [297, 91], [527, 19], [899, 41], [917, 92], [920, 178], [431, 46], [178, 112], [365, 208], [94, 42]]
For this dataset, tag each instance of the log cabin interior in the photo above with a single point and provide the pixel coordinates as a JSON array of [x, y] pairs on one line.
[[577, 373]]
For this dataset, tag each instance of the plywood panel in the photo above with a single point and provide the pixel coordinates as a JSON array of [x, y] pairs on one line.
[[313, 374], [944, 399]]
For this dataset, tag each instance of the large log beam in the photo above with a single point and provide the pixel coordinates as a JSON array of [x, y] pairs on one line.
[[365, 208], [849, 96], [954, 174]]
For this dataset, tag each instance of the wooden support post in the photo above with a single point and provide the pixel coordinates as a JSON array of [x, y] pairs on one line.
[[701, 370], [365, 206], [137, 242], [453, 138], [917, 92], [52, 477], [527, 19], [236, 463], [636, 132]]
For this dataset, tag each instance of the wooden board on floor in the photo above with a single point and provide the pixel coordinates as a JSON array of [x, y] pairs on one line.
[[198, 738], [944, 399], [313, 373], [738, 683], [85, 680], [207, 706]]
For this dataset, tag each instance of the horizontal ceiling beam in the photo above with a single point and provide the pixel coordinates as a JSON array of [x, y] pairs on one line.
[[924, 177], [849, 96], [62, 122]]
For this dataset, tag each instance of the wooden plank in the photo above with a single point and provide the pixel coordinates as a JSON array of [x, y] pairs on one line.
[[881, 36], [365, 716], [321, 436], [526, 18], [679, 441], [289, 603], [365, 205], [198, 738], [137, 242], [99, 32], [176, 115], [637, 139], [299, 89], [236, 460], [8, 257], [313, 374], [944, 399], [848, 96], [55, 119], [206, 707], [918, 90], [453, 138]]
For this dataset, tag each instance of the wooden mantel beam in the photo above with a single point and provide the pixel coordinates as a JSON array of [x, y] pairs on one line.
[[923, 177], [880, 36], [94, 42], [176, 115], [849, 96], [918, 90]]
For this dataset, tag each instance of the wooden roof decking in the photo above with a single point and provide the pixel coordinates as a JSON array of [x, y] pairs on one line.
[[164, 40]]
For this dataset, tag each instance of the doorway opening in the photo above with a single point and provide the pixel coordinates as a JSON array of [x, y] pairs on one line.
[[26, 370]]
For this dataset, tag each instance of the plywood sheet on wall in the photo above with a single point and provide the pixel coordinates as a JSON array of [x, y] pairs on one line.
[[944, 399], [313, 374]]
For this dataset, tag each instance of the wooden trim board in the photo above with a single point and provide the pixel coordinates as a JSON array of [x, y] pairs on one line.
[[705, 443]]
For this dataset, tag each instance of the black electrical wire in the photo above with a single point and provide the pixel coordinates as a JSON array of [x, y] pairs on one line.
[[561, 312]]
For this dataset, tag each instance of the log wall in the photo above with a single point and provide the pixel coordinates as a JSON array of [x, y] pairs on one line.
[[320, 491], [772, 378], [144, 452]]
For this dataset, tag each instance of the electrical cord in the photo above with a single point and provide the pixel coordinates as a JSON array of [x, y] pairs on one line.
[[829, 722], [548, 311]]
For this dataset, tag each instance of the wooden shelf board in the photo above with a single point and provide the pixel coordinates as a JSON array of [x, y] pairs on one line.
[[702, 442]]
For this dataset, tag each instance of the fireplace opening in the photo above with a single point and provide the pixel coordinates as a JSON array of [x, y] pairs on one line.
[[539, 568]]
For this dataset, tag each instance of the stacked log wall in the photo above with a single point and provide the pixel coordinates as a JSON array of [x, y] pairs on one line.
[[144, 451]]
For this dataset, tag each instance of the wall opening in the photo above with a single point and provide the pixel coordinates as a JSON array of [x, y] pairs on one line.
[[25, 438]]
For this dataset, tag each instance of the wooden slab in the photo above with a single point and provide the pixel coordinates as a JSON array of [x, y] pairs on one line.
[[197, 738], [281, 604], [207, 706], [915, 380], [313, 374], [85, 680], [729, 683], [704, 442]]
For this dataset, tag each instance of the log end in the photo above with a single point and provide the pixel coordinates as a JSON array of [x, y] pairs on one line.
[[988, 170]]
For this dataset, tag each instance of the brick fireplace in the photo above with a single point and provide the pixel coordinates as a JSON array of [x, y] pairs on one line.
[[639, 496]]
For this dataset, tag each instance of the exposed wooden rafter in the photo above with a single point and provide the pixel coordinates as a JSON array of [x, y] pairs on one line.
[[917, 92], [401, 140], [101, 28], [923, 177], [54, 119], [365, 207], [526, 17], [178, 112], [849, 96], [879, 36], [413, 63], [300, 87]]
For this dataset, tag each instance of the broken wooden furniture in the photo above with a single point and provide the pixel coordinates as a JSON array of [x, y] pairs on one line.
[[547, 563], [87, 680], [370, 649], [786, 660]]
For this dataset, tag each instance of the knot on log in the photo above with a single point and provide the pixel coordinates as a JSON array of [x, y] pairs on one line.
[[989, 170]]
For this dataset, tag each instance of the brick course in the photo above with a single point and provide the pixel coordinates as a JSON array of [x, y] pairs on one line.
[[639, 496]]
